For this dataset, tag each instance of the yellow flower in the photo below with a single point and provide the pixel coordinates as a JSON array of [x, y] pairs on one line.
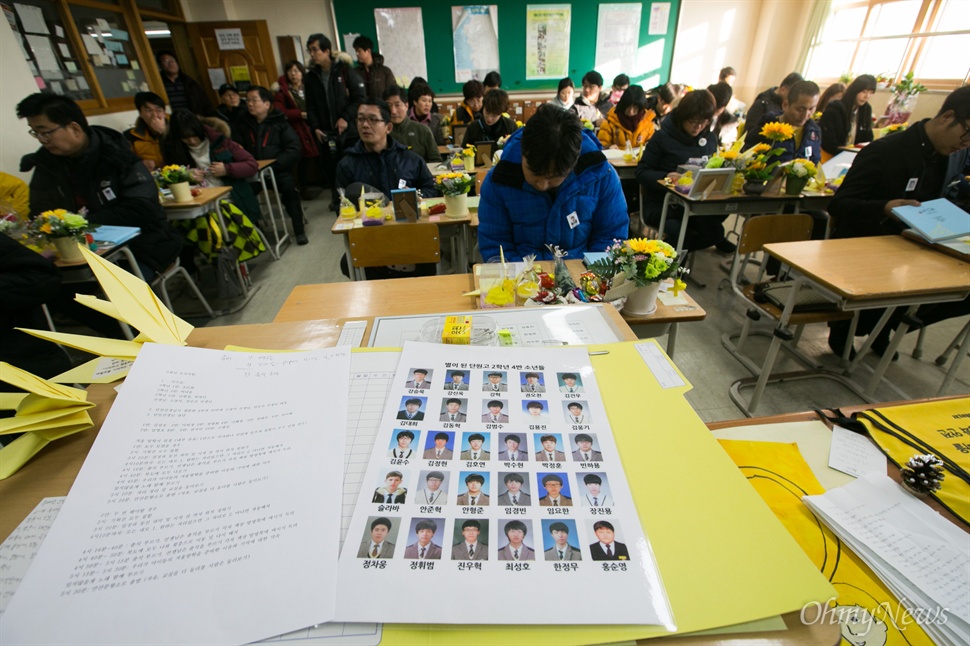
[[777, 131], [730, 154], [46, 228], [760, 148]]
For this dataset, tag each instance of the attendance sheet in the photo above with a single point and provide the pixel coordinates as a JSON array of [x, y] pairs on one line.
[[494, 482]]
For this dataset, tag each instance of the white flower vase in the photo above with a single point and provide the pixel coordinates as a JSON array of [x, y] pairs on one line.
[[456, 206], [643, 301], [181, 192], [68, 249], [469, 161]]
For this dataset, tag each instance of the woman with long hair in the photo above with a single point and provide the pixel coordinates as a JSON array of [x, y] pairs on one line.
[[848, 121]]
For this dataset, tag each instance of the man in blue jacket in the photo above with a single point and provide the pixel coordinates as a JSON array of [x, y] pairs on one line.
[[553, 186]]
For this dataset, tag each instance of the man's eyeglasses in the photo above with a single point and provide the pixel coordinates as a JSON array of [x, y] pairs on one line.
[[371, 120], [43, 136]]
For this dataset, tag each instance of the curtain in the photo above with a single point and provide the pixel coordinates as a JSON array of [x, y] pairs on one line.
[[821, 9]]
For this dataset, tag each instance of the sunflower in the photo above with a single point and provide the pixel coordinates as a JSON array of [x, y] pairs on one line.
[[777, 131], [729, 154]]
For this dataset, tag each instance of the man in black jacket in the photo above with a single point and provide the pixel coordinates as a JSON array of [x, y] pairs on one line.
[[82, 166], [771, 100], [266, 134], [183, 91], [333, 90]]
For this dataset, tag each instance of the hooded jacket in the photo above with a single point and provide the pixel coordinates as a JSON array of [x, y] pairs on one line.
[[386, 170], [271, 139], [114, 185], [520, 219], [145, 143], [338, 100], [613, 133], [378, 78], [284, 103]]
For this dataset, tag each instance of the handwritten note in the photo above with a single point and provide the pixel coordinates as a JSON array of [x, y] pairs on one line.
[[855, 454]]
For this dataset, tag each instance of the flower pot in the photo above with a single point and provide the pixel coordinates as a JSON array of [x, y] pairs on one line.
[[469, 161], [456, 206], [643, 301], [68, 249], [795, 185], [754, 187], [181, 192]]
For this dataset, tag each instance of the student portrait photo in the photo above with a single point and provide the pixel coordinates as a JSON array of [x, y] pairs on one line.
[[513, 537], [455, 380], [495, 382], [453, 410], [379, 537], [421, 538], [532, 382], [606, 547], [595, 488], [534, 409], [494, 412], [547, 448], [475, 447], [391, 492], [475, 493], [553, 490], [439, 446], [434, 490], [420, 379], [556, 539], [412, 408], [514, 490], [586, 450], [570, 382], [576, 412], [513, 451], [470, 540], [401, 444]]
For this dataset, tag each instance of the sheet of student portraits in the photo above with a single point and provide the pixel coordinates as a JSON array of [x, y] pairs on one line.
[[216, 477], [495, 482]]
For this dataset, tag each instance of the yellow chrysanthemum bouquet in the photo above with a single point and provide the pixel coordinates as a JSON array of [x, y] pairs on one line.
[[453, 183], [58, 223], [172, 174], [640, 260]]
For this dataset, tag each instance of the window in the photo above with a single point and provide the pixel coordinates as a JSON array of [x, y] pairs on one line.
[[95, 51], [891, 38]]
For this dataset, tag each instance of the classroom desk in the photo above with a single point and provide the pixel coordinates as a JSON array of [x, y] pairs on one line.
[[78, 272], [440, 168], [867, 273], [342, 226], [266, 171], [625, 169], [725, 204]]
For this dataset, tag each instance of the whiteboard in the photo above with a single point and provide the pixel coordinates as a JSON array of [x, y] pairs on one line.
[[529, 326]]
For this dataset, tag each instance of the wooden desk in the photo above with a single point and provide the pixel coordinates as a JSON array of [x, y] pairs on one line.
[[625, 169], [867, 273], [725, 204]]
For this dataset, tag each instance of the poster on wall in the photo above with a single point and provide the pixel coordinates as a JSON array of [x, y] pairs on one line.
[[400, 37], [659, 18], [475, 36], [617, 39], [547, 41]]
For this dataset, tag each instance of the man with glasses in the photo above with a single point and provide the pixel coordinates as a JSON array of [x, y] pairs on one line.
[[925, 162], [333, 90], [83, 166]]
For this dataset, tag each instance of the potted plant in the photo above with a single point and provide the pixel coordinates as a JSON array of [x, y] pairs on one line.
[[176, 179], [758, 167], [903, 102], [455, 187], [797, 174], [63, 229], [637, 266]]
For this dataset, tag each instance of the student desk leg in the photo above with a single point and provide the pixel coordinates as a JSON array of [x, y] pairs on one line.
[[276, 251]]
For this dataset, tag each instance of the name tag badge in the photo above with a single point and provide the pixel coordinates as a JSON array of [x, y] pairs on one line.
[[108, 194], [402, 184], [573, 220], [911, 184], [808, 151]]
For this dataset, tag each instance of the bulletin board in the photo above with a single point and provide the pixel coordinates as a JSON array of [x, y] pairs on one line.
[[358, 17]]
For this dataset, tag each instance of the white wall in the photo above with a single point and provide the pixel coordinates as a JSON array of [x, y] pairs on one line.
[[17, 82]]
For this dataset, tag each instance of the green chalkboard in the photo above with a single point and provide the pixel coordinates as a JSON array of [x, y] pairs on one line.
[[357, 16]]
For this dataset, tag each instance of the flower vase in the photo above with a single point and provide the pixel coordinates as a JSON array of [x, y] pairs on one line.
[[643, 301], [469, 161], [795, 185], [456, 206], [181, 192], [900, 108], [754, 187], [68, 249]]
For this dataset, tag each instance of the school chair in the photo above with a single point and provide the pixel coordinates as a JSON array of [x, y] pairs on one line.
[[959, 343], [160, 284], [401, 244]]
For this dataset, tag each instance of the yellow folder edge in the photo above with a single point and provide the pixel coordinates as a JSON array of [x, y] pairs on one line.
[[723, 555]]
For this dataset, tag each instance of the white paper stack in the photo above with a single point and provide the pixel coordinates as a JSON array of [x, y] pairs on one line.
[[922, 557]]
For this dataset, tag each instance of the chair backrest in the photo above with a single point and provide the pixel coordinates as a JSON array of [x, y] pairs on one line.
[[479, 178], [400, 244], [765, 229]]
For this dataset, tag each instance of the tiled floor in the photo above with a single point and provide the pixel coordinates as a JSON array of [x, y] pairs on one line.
[[699, 353]]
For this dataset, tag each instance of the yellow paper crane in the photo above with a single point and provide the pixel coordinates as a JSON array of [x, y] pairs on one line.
[[47, 412], [131, 301]]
